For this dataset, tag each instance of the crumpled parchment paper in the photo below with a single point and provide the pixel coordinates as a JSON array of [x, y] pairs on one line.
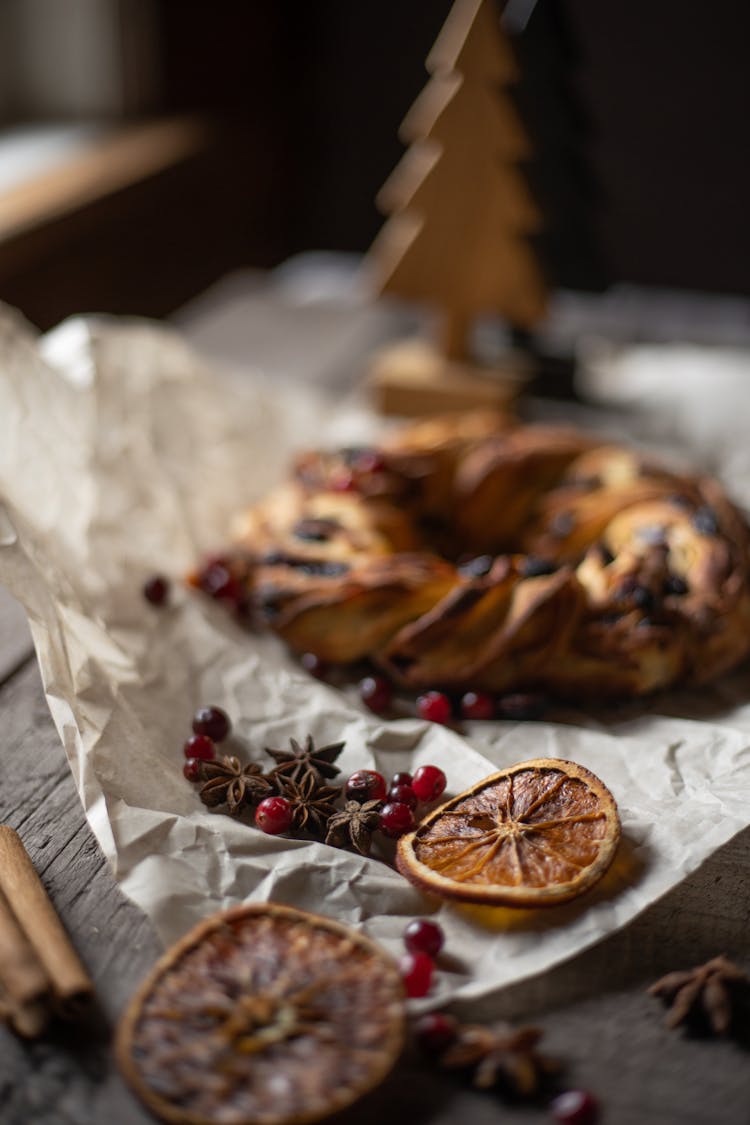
[[121, 454]]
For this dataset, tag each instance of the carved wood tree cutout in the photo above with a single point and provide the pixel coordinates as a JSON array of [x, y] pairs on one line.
[[461, 212]]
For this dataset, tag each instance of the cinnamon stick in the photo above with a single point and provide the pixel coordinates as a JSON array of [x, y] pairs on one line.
[[40, 924], [25, 988]]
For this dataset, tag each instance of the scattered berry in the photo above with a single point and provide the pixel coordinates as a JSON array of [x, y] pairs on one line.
[[216, 580], [423, 936], [314, 665], [435, 1032], [192, 769], [403, 794], [200, 746], [477, 705], [396, 818], [521, 705], [274, 815], [575, 1107], [375, 692], [365, 785], [367, 461], [156, 590], [434, 706], [429, 782], [402, 778], [416, 973], [212, 721], [343, 482]]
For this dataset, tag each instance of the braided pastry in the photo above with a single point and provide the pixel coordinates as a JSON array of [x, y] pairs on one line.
[[470, 553]]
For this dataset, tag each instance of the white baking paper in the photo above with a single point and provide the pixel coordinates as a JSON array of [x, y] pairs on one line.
[[122, 455]]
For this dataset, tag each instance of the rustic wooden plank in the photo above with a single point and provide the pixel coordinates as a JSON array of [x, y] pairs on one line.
[[70, 1076], [15, 638], [107, 165], [594, 1010]]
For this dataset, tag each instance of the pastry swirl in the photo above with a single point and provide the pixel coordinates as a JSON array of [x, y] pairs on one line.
[[467, 552]]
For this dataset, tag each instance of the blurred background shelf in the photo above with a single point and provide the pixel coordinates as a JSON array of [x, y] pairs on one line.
[[241, 134], [79, 233]]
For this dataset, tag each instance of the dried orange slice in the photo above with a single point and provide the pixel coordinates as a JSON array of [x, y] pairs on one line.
[[536, 834], [262, 1014]]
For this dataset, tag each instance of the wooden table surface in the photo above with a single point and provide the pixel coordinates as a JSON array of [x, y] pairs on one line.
[[593, 1010]]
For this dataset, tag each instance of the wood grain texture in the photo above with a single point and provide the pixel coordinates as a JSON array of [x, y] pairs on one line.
[[69, 1076], [107, 166], [15, 638], [460, 206], [594, 1010]]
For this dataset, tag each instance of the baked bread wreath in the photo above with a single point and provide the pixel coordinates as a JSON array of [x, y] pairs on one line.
[[469, 552]]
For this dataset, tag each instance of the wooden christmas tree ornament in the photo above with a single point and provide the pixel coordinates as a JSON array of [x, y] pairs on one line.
[[460, 216]]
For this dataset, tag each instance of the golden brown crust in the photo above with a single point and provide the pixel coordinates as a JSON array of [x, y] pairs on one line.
[[262, 1013], [607, 574]]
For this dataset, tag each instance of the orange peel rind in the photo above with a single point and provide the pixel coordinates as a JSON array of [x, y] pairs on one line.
[[538, 833], [262, 1014]]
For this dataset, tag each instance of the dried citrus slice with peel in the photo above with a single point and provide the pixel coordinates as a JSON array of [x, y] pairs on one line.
[[262, 1014], [535, 834]]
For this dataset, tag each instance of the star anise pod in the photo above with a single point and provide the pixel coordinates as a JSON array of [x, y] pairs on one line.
[[354, 825], [306, 761], [227, 782], [501, 1056], [312, 804], [705, 992]]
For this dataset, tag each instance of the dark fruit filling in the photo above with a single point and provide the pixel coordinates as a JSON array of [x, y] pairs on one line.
[[533, 567], [478, 567]]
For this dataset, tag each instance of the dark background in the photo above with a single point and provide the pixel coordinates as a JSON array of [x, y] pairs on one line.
[[638, 112]]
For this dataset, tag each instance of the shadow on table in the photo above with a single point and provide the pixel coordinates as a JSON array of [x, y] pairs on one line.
[[627, 868], [701, 917], [707, 703]]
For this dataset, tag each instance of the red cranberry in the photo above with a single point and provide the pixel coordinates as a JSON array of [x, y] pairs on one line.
[[423, 936], [368, 461], [435, 1032], [429, 782], [192, 769], [343, 482], [375, 692], [200, 746], [396, 818], [156, 590], [521, 705], [403, 794], [212, 721], [365, 785], [314, 665], [575, 1107], [477, 705], [401, 779], [434, 706], [416, 973], [216, 580], [274, 815]]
